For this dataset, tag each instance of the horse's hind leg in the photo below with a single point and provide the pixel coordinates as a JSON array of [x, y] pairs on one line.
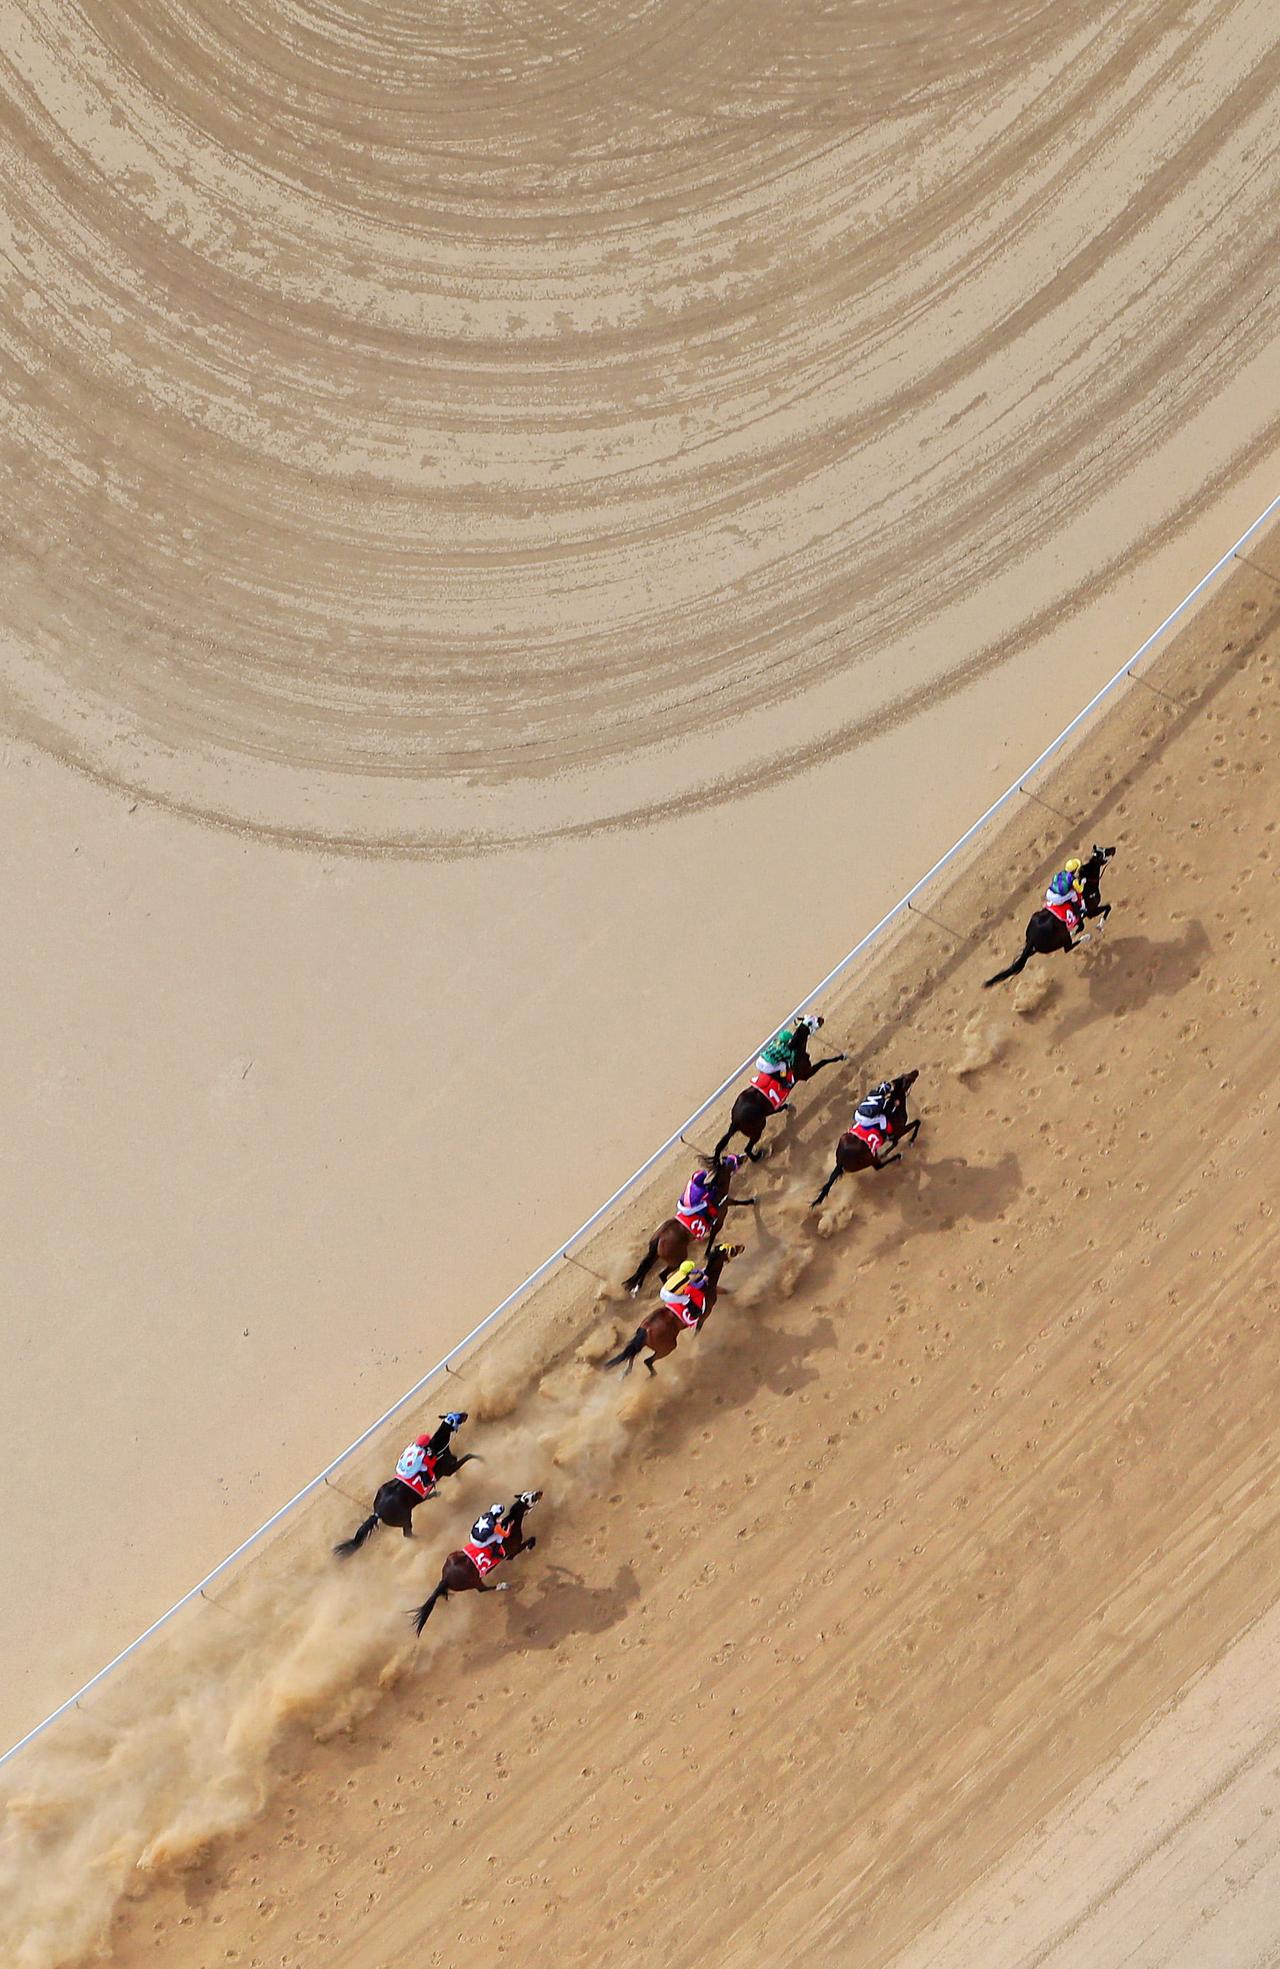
[[637, 1278], [649, 1364]]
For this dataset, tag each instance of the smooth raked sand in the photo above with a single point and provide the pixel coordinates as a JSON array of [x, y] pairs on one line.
[[842, 1634], [523, 536]]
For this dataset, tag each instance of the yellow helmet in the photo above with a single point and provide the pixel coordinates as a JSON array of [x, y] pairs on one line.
[[1073, 866]]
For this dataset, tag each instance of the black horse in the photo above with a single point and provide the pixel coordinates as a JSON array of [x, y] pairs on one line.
[[395, 1502], [1046, 933], [753, 1107], [853, 1153], [671, 1241]]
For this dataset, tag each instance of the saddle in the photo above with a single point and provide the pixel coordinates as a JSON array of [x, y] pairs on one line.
[[485, 1557], [775, 1090], [876, 1139], [697, 1227]]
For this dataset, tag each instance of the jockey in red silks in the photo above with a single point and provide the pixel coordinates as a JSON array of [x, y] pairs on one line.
[[685, 1294], [420, 1460], [1064, 898], [698, 1208]]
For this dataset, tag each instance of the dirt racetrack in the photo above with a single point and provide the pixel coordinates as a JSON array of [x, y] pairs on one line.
[[961, 1485], [705, 452], [523, 533]]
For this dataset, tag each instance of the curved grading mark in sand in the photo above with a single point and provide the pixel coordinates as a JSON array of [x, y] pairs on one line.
[[415, 415]]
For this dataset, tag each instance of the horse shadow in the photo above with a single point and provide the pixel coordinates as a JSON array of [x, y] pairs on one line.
[[936, 1194], [754, 1358], [551, 1604], [1126, 973]]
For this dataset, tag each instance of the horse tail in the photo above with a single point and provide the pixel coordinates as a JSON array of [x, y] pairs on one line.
[[1011, 970], [630, 1351], [357, 1539], [825, 1191], [421, 1615]]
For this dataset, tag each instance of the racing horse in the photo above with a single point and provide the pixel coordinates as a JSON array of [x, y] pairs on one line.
[[1047, 933], [860, 1146], [466, 1570], [767, 1094], [396, 1501], [664, 1325], [669, 1245]]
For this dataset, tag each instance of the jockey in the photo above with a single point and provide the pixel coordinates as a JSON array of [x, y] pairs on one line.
[[489, 1530], [778, 1057], [421, 1458], [699, 1202], [699, 1196], [1064, 897], [872, 1113], [685, 1294]]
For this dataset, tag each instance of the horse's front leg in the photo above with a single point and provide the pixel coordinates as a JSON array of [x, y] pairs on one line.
[[832, 1060]]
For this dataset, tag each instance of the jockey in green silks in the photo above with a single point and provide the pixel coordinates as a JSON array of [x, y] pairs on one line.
[[778, 1058]]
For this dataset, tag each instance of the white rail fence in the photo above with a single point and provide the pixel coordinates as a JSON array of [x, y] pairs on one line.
[[562, 1251]]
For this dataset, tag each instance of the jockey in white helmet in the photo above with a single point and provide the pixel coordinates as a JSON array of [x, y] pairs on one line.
[[488, 1528], [873, 1110]]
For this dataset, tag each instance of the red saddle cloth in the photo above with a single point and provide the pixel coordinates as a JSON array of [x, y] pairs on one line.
[[775, 1091], [485, 1557], [696, 1226], [873, 1138], [1068, 912]]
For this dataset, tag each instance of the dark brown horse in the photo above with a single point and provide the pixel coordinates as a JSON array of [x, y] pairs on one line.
[[1047, 933], [661, 1330], [396, 1501], [753, 1106], [669, 1245], [855, 1152], [465, 1571]]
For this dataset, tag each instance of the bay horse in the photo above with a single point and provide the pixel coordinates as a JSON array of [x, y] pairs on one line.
[[855, 1152], [395, 1501], [754, 1104], [669, 1245], [464, 1571], [660, 1331], [1047, 933]]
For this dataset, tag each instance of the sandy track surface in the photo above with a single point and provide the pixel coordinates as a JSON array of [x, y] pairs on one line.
[[421, 432], [964, 1482], [432, 430]]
